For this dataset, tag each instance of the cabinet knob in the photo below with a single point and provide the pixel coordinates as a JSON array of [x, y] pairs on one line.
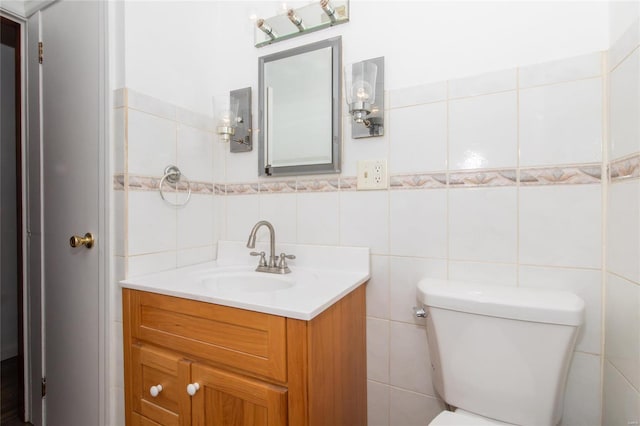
[[155, 390], [192, 388]]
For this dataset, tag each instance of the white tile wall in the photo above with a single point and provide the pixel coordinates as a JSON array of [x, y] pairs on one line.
[[195, 153], [561, 123], [483, 132], [583, 402], [515, 235], [378, 350], [623, 230], [152, 224], [585, 283], [622, 296], [318, 218], [378, 288], [486, 273], [412, 409], [489, 231], [151, 143], [416, 220], [195, 222], [354, 150], [281, 211], [364, 220], [377, 404], [625, 107], [405, 272], [241, 215], [409, 361], [418, 138], [621, 400], [622, 329], [560, 225]]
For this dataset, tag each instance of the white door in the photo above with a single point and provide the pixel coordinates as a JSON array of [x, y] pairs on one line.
[[72, 137]]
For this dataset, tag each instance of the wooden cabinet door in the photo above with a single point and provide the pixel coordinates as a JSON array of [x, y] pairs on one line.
[[152, 367], [227, 399]]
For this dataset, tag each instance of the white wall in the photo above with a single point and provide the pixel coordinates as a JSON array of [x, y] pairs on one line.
[[622, 14], [184, 52]]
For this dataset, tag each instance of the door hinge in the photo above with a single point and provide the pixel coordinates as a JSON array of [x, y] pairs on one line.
[[44, 387], [40, 51]]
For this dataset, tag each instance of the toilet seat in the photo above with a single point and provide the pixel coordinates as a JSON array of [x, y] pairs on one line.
[[463, 418]]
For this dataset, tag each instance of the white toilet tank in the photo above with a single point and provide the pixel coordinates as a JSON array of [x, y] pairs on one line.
[[501, 352]]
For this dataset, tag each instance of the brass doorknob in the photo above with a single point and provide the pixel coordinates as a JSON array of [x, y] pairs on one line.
[[86, 241]]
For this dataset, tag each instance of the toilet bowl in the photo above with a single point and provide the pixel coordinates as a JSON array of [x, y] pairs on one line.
[[499, 354]]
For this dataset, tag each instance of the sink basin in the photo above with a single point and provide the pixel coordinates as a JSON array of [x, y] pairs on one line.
[[246, 282]]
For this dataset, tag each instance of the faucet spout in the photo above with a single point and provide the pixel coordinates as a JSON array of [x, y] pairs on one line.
[[251, 243]]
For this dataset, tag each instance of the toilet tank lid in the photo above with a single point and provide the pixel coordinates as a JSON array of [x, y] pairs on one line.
[[518, 303]]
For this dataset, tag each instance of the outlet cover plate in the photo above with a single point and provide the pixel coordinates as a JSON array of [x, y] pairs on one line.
[[372, 174]]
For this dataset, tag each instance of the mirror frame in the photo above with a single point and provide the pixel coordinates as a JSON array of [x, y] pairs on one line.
[[336, 111]]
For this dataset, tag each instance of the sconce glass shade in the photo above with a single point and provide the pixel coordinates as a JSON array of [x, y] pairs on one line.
[[360, 84], [225, 110]]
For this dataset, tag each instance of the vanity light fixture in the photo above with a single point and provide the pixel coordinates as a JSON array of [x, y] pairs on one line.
[[233, 115], [328, 9], [289, 22], [295, 19], [364, 85], [265, 28]]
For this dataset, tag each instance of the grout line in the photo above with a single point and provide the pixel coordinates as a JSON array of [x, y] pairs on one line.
[[518, 184], [605, 179], [448, 184]]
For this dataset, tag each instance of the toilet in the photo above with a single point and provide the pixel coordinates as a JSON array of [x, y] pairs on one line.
[[499, 355]]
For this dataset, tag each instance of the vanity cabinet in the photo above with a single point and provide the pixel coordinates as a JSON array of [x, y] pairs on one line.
[[245, 368]]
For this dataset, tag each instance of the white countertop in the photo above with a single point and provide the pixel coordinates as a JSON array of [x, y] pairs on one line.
[[320, 276]]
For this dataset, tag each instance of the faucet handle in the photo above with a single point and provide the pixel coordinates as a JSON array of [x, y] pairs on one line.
[[263, 260], [282, 264]]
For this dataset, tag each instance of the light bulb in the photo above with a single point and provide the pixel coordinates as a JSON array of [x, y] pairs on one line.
[[363, 91]]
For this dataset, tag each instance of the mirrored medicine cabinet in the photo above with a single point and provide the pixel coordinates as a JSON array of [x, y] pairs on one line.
[[299, 110]]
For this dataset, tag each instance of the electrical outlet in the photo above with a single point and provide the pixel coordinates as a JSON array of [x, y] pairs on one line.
[[372, 174]]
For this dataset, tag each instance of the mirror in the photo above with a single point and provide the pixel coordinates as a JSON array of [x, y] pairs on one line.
[[299, 110]]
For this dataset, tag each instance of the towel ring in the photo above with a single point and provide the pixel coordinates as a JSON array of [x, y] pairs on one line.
[[172, 174]]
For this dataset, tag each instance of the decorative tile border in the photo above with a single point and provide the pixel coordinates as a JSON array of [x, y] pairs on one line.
[[574, 175], [150, 183], [278, 187], [348, 183], [483, 178], [219, 189], [419, 181], [242, 188], [118, 182], [319, 185], [625, 168]]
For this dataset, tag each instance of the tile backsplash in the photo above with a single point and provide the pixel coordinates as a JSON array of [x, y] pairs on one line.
[[496, 178]]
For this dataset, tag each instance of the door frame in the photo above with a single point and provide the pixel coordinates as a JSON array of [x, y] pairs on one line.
[[33, 218], [22, 174]]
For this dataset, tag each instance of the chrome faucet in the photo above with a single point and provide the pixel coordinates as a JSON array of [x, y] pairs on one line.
[[271, 266]]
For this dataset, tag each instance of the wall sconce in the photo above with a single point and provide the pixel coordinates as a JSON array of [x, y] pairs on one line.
[[233, 115], [364, 85]]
